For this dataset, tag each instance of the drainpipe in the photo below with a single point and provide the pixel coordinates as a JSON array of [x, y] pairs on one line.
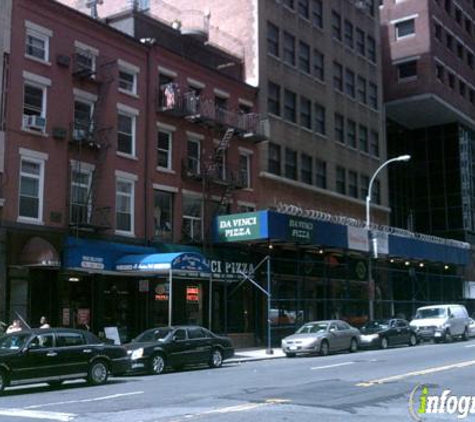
[[147, 133]]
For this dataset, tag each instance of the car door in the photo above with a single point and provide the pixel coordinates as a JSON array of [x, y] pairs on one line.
[[200, 344], [179, 348], [334, 337], [392, 333], [345, 334], [40, 359], [404, 332], [73, 354]]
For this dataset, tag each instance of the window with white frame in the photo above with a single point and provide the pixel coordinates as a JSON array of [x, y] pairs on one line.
[[193, 156], [83, 125], [164, 149], [126, 133], [30, 196], [37, 41], [405, 28], [245, 170], [163, 215], [34, 106], [191, 222], [124, 205], [81, 178], [85, 60], [128, 75], [407, 70]]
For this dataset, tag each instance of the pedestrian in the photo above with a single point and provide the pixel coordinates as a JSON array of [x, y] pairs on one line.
[[14, 327], [44, 322]]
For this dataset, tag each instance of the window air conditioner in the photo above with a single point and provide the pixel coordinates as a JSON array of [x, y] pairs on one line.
[[34, 122]]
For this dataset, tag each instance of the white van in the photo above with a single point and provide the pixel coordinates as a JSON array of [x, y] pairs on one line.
[[441, 322]]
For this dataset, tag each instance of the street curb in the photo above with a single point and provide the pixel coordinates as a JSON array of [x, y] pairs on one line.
[[241, 360]]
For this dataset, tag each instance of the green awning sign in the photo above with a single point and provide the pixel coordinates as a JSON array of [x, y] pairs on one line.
[[237, 227]]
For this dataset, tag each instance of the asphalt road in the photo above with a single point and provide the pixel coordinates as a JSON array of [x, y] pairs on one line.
[[365, 386]]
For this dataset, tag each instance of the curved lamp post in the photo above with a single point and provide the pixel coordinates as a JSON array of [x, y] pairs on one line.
[[372, 250]]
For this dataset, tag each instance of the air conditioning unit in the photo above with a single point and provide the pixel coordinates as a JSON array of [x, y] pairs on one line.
[[34, 122]]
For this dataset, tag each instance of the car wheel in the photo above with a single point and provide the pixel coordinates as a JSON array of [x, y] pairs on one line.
[[157, 364], [465, 335], [55, 384], [448, 337], [3, 380], [384, 343], [290, 355], [324, 348], [98, 373], [353, 346], [216, 359], [412, 340]]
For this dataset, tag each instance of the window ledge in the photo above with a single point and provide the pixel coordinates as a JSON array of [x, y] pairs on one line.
[[248, 189], [122, 233], [36, 59], [128, 93], [34, 132], [128, 156], [27, 220], [166, 170]]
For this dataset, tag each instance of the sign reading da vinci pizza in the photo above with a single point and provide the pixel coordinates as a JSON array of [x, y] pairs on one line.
[[238, 227]]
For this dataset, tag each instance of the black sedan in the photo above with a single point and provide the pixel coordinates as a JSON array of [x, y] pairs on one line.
[[155, 349], [383, 333], [57, 354]]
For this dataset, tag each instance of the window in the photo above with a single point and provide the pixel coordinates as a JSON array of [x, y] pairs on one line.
[[81, 178], [164, 149], [471, 95], [304, 57], [85, 61], [341, 180], [439, 72], [167, 92], [336, 25], [371, 49], [460, 51], [451, 80], [34, 107], [468, 26], [462, 88], [289, 49], [37, 41], [360, 42], [320, 126], [350, 83], [318, 65], [373, 95], [349, 41], [191, 223], [339, 128], [438, 31], [163, 215], [31, 189], [376, 195], [126, 133], [407, 70], [321, 172], [290, 164], [351, 133], [83, 124], [193, 157], [128, 78], [306, 169], [374, 143], [305, 113], [363, 138], [337, 76], [361, 90], [405, 28], [245, 170], [364, 184], [353, 184], [272, 39], [273, 98], [303, 8], [42, 341], [69, 339], [449, 41], [448, 6], [470, 59], [290, 106], [274, 159], [458, 16], [317, 13], [124, 207]]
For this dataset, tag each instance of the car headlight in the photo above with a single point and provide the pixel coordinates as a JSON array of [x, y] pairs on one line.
[[137, 354]]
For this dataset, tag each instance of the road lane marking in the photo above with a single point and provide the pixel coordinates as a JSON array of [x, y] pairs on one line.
[[332, 366], [416, 373], [114, 396], [38, 414], [471, 345]]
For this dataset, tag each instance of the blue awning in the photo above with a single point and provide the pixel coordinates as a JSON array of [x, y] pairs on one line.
[[162, 263]]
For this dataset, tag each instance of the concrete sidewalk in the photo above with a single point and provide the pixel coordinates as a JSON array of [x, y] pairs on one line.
[[248, 355]]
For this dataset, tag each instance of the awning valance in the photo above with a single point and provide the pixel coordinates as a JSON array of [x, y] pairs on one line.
[[162, 263]]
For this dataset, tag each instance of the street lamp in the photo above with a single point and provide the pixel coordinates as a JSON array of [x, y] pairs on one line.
[[372, 248]]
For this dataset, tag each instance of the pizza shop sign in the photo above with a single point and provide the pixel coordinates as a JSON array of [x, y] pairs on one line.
[[242, 227], [230, 270]]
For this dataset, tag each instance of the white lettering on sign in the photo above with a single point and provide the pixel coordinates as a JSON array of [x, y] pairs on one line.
[[237, 232], [301, 234], [238, 222], [298, 224]]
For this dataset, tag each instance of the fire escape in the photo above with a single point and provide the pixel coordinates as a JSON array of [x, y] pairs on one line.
[[217, 181], [89, 142]]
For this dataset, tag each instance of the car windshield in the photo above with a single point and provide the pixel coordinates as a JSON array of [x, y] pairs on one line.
[[379, 323], [431, 313], [153, 335], [319, 327], [14, 341]]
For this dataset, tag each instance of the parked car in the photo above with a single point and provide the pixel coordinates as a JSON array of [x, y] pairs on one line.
[[156, 348], [441, 322], [383, 333], [321, 337], [471, 327], [57, 354]]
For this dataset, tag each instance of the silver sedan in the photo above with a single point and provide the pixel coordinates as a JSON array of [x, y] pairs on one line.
[[322, 337]]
